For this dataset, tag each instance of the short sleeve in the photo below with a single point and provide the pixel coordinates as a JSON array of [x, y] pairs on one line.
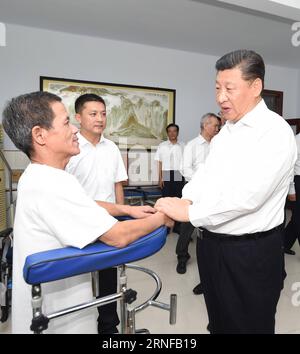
[[73, 217]]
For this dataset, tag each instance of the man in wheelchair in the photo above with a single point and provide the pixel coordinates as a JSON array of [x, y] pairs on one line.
[[53, 211]]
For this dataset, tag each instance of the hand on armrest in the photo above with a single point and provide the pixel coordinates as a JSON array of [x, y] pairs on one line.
[[136, 212], [126, 232]]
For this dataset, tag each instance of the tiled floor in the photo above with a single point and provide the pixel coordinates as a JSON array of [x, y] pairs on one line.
[[191, 310]]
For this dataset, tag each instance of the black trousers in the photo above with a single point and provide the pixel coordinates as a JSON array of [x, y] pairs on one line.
[[242, 281], [182, 247], [292, 231], [108, 319], [173, 184], [198, 245]]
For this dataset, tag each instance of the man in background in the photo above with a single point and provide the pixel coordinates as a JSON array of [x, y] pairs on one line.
[[195, 153], [100, 170], [169, 157], [292, 230]]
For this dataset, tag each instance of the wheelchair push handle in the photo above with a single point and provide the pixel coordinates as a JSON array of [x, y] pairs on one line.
[[6, 232]]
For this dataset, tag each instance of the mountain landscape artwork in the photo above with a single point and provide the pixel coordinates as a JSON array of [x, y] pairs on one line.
[[136, 115]]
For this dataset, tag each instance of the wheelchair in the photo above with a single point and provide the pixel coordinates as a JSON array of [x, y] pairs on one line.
[[5, 272], [47, 266]]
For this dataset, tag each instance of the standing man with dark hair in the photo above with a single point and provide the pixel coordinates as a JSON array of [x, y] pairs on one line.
[[169, 156], [238, 199], [100, 170], [195, 153]]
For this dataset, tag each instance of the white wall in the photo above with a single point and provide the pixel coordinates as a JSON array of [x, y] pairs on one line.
[[298, 95], [286, 80], [30, 53]]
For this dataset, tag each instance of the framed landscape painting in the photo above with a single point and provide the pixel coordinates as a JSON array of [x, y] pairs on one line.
[[136, 115]]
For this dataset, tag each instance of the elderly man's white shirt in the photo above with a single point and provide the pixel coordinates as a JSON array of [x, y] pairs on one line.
[[243, 184], [53, 211], [170, 155], [98, 168], [297, 164], [195, 153]]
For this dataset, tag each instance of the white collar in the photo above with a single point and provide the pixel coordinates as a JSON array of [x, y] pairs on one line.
[[83, 141], [252, 118], [202, 139], [169, 142]]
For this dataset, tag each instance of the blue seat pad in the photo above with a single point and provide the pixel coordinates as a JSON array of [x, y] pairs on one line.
[[133, 193], [152, 192], [66, 262]]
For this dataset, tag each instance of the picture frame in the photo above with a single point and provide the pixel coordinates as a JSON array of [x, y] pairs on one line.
[[295, 125], [274, 100], [136, 115]]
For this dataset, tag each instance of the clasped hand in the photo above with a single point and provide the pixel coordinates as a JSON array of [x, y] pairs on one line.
[[140, 212], [175, 208]]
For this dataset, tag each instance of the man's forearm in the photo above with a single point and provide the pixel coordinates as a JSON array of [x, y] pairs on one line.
[[160, 176], [125, 232], [119, 193], [114, 209]]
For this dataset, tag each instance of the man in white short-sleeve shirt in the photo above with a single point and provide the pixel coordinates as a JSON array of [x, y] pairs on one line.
[[169, 158], [99, 166], [100, 170], [54, 211]]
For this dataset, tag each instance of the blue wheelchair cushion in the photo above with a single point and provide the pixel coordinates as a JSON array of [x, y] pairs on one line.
[[133, 193], [152, 192], [66, 262]]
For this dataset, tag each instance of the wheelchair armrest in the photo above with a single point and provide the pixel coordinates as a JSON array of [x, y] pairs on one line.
[[66, 262]]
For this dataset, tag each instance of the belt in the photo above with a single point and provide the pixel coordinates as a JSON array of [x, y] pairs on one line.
[[225, 237]]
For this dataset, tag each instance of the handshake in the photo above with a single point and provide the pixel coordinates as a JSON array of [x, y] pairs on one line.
[[171, 209]]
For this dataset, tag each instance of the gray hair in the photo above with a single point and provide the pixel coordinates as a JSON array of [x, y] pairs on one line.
[[23, 113], [206, 117]]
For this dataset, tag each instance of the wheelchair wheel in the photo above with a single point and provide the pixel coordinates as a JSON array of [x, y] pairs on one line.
[[5, 274], [6, 307], [4, 313]]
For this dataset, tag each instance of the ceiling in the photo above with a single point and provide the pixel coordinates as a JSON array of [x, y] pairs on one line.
[[201, 26]]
